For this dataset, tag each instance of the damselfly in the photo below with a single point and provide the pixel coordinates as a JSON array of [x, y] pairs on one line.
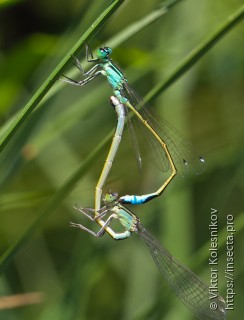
[[186, 285]]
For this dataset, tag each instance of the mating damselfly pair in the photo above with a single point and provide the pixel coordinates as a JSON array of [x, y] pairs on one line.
[[177, 155]]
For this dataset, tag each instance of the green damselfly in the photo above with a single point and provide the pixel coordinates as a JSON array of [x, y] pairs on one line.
[[186, 285]]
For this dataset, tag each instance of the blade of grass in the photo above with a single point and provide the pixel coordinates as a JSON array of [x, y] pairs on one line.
[[198, 53], [42, 91], [135, 28], [52, 204], [122, 36], [141, 24]]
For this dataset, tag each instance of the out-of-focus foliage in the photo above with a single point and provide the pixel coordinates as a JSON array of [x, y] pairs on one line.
[[59, 272]]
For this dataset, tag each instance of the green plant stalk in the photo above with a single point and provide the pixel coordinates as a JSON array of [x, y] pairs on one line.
[[198, 53], [52, 204], [122, 36], [141, 24], [46, 86]]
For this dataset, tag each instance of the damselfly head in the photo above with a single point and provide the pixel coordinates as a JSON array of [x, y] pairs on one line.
[[104, 53], [109, 198]]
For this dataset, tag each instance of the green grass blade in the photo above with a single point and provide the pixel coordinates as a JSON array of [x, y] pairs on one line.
[[42, 91], [198, 53], [52, 204], [119, 38], [141, 24]]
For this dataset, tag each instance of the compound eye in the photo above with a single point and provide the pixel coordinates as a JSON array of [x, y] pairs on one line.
[[114, 195], [107, 50], [104, 52]]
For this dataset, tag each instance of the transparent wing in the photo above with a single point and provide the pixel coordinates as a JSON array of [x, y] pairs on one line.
[[185, 156], [133, 137], [184, 283]]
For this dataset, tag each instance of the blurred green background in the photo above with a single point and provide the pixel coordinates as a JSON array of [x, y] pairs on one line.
[[69, 274]]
